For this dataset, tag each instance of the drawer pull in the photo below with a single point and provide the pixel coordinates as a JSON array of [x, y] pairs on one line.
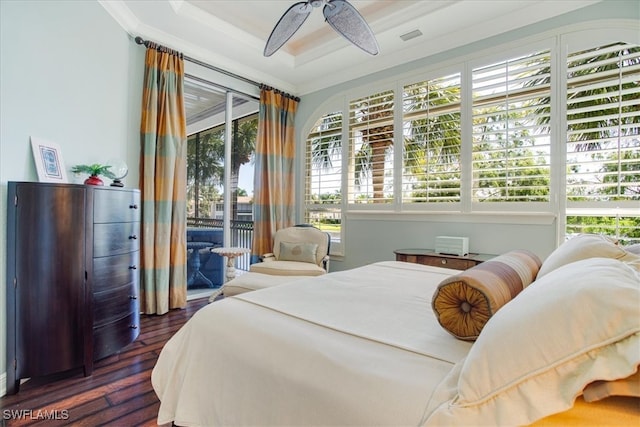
[[133, 267], [133, 206], [133, 297], [133, 237], [133, 326], [444, 261]]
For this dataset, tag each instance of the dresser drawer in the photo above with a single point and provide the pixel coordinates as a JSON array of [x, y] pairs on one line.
[[112, 337], [114, 304], [115, 271], [435, 260], [110, 205], [453, 263], [430, 257], [115, 239]]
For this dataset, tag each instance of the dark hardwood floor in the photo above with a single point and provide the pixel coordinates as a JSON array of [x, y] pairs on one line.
[[119, 392]]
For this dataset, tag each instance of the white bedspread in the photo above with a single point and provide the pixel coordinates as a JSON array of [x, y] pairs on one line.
[[358, 347]]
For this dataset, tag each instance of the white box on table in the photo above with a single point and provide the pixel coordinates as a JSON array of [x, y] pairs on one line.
[[450, 245]]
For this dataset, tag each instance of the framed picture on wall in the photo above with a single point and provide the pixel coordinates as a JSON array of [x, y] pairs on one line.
[[48, 159]]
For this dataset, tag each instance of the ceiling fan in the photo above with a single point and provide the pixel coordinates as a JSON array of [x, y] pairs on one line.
[[341, 15]]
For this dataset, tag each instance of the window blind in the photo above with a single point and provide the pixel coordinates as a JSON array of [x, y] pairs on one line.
[[432, 132], [371, 149], [323, 181], [511, 134], [603, 110]]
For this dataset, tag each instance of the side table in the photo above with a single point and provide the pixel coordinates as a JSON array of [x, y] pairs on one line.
[[430, 257], [231, 254]]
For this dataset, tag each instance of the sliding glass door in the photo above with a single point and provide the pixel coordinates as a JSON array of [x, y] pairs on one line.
[[221, 133]]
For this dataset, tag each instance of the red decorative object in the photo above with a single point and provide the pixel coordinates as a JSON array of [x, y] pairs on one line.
[[93, 180]]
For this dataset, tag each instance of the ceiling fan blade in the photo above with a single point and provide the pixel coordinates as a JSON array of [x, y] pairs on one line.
[[286, 27], [346, 20]]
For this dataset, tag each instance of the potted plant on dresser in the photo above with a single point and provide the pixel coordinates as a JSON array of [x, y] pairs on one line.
[[94, 171]]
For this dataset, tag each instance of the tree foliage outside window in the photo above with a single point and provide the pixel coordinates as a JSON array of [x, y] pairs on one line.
[[511, 150], [205, 165], [603, 142], [371, 143], [432, 141], [204, 172], [323, 194], [511, 139], [603, 118]]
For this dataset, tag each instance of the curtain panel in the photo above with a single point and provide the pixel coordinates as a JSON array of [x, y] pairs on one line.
[[163, 275], [274, 194]]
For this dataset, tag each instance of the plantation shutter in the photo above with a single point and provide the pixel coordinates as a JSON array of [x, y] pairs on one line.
[[603, 111], [603, 142], [323, 181], [371, 149], [511, 133], [431, 129]]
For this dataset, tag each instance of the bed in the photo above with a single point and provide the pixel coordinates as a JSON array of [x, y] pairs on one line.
[[381, 345]]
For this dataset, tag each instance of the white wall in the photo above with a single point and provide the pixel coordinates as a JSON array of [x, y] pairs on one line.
[[69, 74], [373, 236]]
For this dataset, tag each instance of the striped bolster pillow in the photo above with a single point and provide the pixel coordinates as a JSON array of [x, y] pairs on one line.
[[463, 303]]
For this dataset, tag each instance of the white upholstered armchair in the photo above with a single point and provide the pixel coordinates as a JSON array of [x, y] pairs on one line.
[[302, 250]]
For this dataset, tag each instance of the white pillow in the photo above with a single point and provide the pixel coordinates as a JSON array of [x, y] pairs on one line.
[[576, 325], [584, 246], [299, 252], [634, 249]]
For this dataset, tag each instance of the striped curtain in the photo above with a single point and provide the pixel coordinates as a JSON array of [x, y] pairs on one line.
[[163, 275], [273, 199]]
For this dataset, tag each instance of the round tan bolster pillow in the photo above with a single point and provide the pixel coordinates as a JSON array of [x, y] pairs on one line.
[[464, 303]]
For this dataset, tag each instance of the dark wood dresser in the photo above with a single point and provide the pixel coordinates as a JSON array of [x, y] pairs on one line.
[[72, 278], [430, 257], [116, 228]]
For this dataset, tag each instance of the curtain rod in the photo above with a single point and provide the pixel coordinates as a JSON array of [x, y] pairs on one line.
[[146, 43]]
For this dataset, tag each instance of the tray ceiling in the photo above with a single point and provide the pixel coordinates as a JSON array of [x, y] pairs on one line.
[[231, 34]]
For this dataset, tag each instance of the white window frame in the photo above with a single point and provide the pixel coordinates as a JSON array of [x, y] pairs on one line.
[[440, 206], [336, 242], [512, 207], [555, 209], [574, 42]]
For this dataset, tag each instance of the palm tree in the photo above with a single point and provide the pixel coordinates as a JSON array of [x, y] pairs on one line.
[[432, 145], [244, 146], [372, 117], [371, 155], [376, 139], [327, 146], [587, 102], [203, 168], [598, 111], [205, 160]]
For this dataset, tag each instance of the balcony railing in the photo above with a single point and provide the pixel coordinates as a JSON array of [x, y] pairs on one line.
[[241, 235]]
